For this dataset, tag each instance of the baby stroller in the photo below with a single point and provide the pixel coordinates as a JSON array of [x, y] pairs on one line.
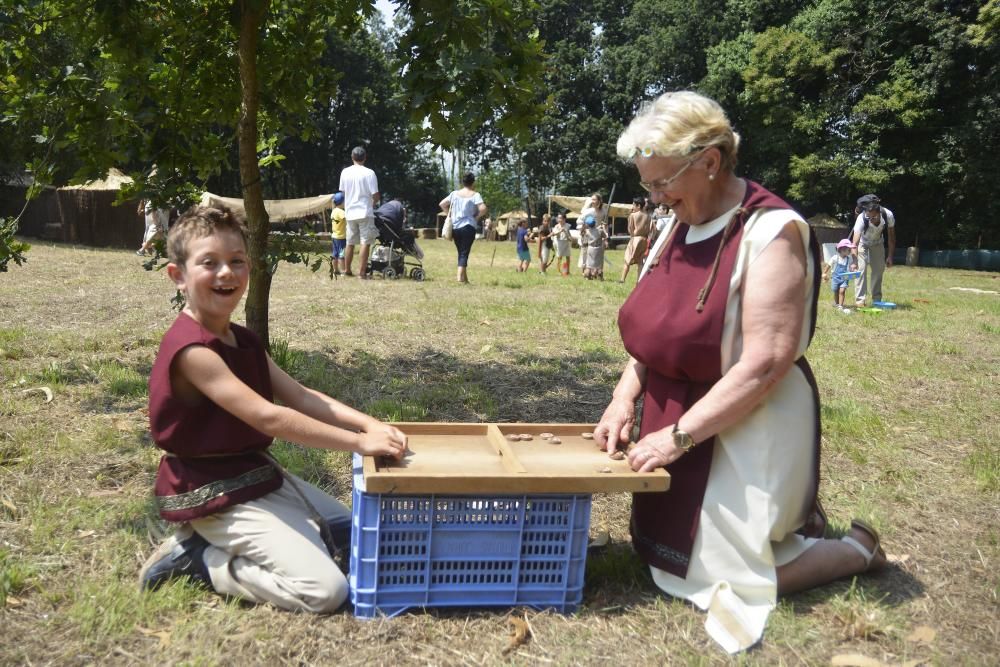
[[396, 249]]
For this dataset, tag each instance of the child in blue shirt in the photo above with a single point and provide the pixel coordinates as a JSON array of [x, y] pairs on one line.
[[839, 265], [523, 253]]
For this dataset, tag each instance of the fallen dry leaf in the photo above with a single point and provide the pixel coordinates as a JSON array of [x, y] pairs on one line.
[[855, 660], [9, 505], [520, 633], [162, 635], [86, 533], [14, 602], [44, 390], [897, 559], [102, 493], [922, 634]]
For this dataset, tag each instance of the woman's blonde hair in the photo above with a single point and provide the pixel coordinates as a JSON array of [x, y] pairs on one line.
[[678, 125]]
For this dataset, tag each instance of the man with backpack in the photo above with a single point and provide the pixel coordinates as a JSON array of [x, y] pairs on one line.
[[874, 226]]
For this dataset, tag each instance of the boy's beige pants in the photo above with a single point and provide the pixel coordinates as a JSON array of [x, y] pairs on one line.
[[269, 550]]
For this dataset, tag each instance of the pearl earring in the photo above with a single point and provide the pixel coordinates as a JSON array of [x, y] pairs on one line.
[[711, 177]]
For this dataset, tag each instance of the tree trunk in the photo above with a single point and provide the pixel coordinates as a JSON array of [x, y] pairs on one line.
[[252, 14]]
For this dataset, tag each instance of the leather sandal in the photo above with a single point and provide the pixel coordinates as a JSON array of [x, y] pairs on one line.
[[869, 556]]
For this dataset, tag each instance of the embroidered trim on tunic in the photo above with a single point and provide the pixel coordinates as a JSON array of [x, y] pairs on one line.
[[663, 551], [203, 494]]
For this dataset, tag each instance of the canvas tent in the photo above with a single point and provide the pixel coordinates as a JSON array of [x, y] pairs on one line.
[[278, 210], [576, 204]]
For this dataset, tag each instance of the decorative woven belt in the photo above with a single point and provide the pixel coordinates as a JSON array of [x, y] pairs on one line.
[[201, 495], [662, 550]]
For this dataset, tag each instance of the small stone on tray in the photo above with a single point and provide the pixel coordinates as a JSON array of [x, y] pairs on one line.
[[617, 455], [555, 441], [545, 436], [526, 436], [587, 436], [604, 469], [513, 437]]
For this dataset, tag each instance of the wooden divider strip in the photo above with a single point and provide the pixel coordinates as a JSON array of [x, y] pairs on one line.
[[507, 455]]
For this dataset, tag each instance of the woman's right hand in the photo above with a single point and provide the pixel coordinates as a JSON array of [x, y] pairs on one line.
[[616, 424]]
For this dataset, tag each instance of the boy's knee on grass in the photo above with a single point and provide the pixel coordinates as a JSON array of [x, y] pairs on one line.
[[322, 591]]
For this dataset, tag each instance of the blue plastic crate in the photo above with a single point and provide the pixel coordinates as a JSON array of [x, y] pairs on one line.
[[466, 551]]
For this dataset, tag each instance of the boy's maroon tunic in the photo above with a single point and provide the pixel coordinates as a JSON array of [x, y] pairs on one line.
[[214, 460], [681, 350]]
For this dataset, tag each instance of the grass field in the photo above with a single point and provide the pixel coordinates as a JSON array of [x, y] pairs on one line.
[[910, 410]]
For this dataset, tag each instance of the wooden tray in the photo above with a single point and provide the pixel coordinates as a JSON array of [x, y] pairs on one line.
[[478, 458]]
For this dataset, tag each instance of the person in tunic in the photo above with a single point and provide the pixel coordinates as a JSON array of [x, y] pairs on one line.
[[544, 240], [716, 330], [563, 242], [157, 220], [247, 528], [596, 238], [595, 207], [639, 224], [467, 209]]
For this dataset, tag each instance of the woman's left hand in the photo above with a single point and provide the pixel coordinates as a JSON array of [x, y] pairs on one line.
[[654, 451]]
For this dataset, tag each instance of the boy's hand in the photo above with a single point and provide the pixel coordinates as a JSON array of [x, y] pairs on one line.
[[383, 440]]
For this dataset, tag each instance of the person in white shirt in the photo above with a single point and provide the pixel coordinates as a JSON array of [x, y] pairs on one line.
[[874, 221], [361, 195], [157, 221]]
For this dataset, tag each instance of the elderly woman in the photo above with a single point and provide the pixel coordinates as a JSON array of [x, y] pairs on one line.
[[716, 330]]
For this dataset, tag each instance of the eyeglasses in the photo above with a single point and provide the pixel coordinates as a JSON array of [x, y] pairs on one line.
[[664, 183]]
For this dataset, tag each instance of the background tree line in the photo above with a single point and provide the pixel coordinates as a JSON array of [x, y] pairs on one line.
[[833, 99]]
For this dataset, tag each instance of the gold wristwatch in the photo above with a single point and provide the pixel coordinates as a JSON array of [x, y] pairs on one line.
[[682, 439]]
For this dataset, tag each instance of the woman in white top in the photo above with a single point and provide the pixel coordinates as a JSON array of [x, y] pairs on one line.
[[467, 208]]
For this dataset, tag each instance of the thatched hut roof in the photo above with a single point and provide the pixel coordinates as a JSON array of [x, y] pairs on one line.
[[113, 181]]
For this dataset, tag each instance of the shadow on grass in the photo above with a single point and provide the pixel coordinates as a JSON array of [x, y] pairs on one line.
[[436, 385]]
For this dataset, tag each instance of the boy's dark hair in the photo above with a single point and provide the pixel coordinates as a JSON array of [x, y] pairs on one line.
[[640, 202], [198, 222], [359, 154], [468, 179]]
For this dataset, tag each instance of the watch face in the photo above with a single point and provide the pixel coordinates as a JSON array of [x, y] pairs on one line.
[[683, 440]]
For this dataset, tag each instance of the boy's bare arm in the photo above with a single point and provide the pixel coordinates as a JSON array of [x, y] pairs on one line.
[[208, 373]]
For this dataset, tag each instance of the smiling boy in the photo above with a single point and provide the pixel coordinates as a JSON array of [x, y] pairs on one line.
[[248, 528]]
